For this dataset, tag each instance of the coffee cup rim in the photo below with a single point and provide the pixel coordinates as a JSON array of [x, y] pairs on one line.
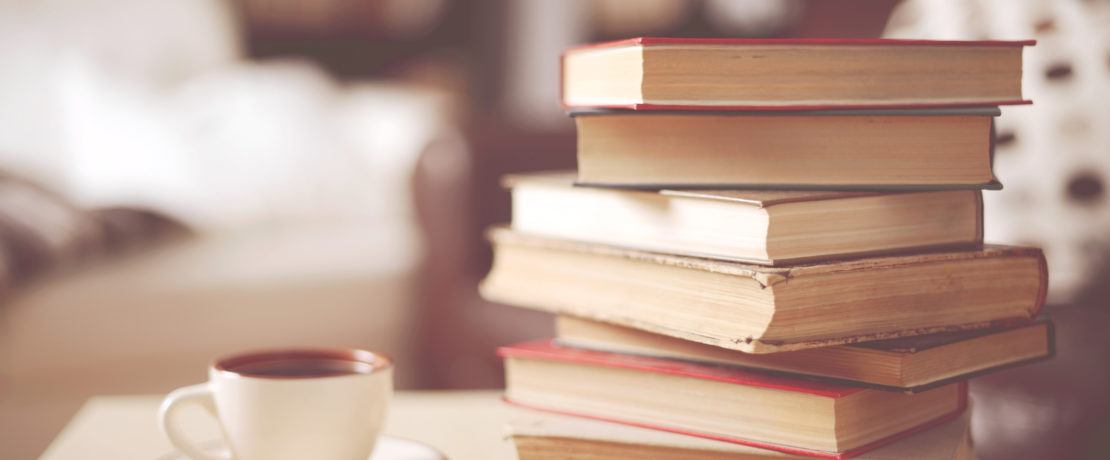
[[377, 361]]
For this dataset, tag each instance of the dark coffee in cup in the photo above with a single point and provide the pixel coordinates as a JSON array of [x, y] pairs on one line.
[[293, 368], [303, 363]]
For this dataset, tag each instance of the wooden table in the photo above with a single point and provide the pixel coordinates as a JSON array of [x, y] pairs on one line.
[[461, 424]]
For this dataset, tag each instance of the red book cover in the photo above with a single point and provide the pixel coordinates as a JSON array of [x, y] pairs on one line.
[[549, 349], [798, 41], [648, 41]]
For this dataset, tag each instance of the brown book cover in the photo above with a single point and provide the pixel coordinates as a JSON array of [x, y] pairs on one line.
[[763, 309], [835, 149], [918, 363], [651, 73]]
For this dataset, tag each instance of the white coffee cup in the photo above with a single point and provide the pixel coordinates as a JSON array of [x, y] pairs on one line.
[[318, 403]]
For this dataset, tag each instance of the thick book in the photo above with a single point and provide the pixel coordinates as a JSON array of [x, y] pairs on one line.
[[546, 436], [908, 364], [838, 149], [681, 73], [762, 309], [769, 227], [797, 416]]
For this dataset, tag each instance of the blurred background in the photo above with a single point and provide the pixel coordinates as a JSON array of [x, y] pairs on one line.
[[184, 178]]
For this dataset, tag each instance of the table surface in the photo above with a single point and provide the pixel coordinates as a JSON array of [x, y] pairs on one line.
[[461, 424]]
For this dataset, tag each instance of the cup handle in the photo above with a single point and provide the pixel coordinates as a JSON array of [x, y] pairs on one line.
[[167, 420]]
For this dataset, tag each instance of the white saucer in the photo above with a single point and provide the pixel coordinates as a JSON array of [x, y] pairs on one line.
[[387, 448]]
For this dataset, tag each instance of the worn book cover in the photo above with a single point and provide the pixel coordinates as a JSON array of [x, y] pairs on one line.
[[548, 350], [761, 309], [651, 73]]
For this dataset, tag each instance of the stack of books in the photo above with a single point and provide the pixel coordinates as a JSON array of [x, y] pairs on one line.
[[771, 248]]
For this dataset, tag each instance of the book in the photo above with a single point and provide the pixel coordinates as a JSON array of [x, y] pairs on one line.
[[770, 227], [909, 364], [842, 149], [680, 73], [762, 309], [547, 436], [772, 412]]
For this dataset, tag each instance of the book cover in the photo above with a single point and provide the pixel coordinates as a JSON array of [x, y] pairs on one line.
[[892, 149], [736, 306], [762, 227], [791, 105], [964, 354], [549, 350]]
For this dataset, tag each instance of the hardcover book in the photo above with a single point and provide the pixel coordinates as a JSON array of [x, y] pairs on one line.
[[547, 436], [679, 73], [832, 149], [763, 309], [909, 364], [769, 227], [727, 404]]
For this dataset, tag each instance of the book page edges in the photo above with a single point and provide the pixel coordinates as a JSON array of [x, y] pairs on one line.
[[762, 445], [768, 276], [759, 198], [909, 389], [774, 346], [529, 423], [548, 349]]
